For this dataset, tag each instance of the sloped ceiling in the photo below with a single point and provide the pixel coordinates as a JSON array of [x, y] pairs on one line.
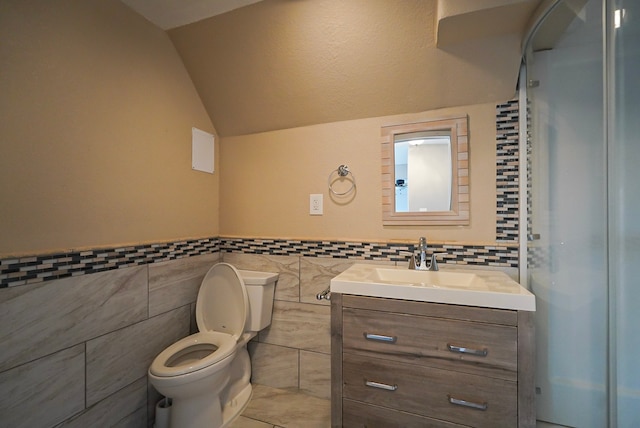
[[279, 64], [168, 14]]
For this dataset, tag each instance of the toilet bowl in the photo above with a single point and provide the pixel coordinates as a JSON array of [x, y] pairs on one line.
[[207, 373]]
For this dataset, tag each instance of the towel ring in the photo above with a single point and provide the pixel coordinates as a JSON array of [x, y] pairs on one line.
[[343, 171]]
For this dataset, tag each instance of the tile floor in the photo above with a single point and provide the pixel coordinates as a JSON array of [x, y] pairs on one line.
[[278, 408]]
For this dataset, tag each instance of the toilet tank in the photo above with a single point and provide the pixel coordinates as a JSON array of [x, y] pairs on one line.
[[261, 288]]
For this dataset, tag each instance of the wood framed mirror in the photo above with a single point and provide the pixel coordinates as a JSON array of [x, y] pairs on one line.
[[425, 172]]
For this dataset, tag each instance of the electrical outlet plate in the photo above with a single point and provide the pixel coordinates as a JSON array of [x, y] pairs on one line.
[[315, 204]]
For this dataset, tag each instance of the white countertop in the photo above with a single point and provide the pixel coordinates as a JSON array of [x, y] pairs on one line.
[[452, 285]]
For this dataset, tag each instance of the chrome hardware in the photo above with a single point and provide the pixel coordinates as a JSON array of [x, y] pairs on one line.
[[463, 350], [342, 173], [379, 385], [412, 262], [434, 263], [422, 248], [412, 258], [466, 403], [380, 338], [421, 264], [325, 294]]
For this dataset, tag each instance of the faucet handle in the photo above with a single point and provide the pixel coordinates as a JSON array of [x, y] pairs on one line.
[[434, 262], [412, 261]]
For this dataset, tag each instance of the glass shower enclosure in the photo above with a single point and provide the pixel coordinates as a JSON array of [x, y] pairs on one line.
[[582, 79]]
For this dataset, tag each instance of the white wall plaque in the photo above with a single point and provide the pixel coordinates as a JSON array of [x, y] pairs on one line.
[[201, 150]]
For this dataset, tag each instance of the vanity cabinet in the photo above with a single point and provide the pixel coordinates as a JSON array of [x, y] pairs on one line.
[[400, 363]]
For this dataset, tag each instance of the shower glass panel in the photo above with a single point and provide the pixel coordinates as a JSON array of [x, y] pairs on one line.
[[584, 199], [624, 210], [567, 270]]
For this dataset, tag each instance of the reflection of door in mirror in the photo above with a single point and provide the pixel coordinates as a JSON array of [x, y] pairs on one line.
[[423, 171]]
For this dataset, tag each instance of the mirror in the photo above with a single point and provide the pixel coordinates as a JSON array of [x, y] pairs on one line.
[[422, 171], [425, 173]]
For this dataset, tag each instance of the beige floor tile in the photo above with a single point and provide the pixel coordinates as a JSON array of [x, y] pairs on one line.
[[288, 409], [244, 422]]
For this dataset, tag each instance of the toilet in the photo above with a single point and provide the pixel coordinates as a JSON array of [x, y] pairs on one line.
[[207, 375]]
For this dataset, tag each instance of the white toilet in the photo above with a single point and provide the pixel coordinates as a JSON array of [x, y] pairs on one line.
[[207, 374]]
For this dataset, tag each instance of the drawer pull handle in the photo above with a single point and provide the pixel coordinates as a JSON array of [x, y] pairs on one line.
[[463, 350], [380, 338], [465, 403], [379, 385]]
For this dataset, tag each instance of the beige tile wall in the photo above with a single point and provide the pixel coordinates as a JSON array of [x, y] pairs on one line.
[[75, 351], [98, 334], [294, 352]]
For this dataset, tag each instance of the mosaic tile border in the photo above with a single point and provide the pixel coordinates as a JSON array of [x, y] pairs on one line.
[[34, 269], [30, 270], [486, 255], [507, 170]]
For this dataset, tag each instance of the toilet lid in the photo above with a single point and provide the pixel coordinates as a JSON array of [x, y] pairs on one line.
[[223, 303]]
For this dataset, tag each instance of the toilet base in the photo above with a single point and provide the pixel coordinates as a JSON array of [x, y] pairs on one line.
[[230, 411], [234, 407]]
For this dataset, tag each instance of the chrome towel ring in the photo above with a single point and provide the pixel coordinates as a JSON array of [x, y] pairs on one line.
[[343, 173]]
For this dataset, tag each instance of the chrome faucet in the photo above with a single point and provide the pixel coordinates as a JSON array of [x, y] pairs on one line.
[[421, 262]]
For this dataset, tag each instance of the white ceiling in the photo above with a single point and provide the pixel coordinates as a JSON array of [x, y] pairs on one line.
[[168, 14]]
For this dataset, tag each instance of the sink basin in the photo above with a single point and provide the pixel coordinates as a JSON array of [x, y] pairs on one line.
[[428, 278], [469, 287]]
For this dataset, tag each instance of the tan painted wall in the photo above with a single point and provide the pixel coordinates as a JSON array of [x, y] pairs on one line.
[[95, 131], [267, 179]]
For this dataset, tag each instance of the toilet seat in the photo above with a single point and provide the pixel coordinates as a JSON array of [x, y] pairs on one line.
[[222, 308], [193, 353]]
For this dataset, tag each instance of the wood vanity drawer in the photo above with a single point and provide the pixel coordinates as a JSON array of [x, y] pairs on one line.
[[360, 415], [470, 347], [441, 394]]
